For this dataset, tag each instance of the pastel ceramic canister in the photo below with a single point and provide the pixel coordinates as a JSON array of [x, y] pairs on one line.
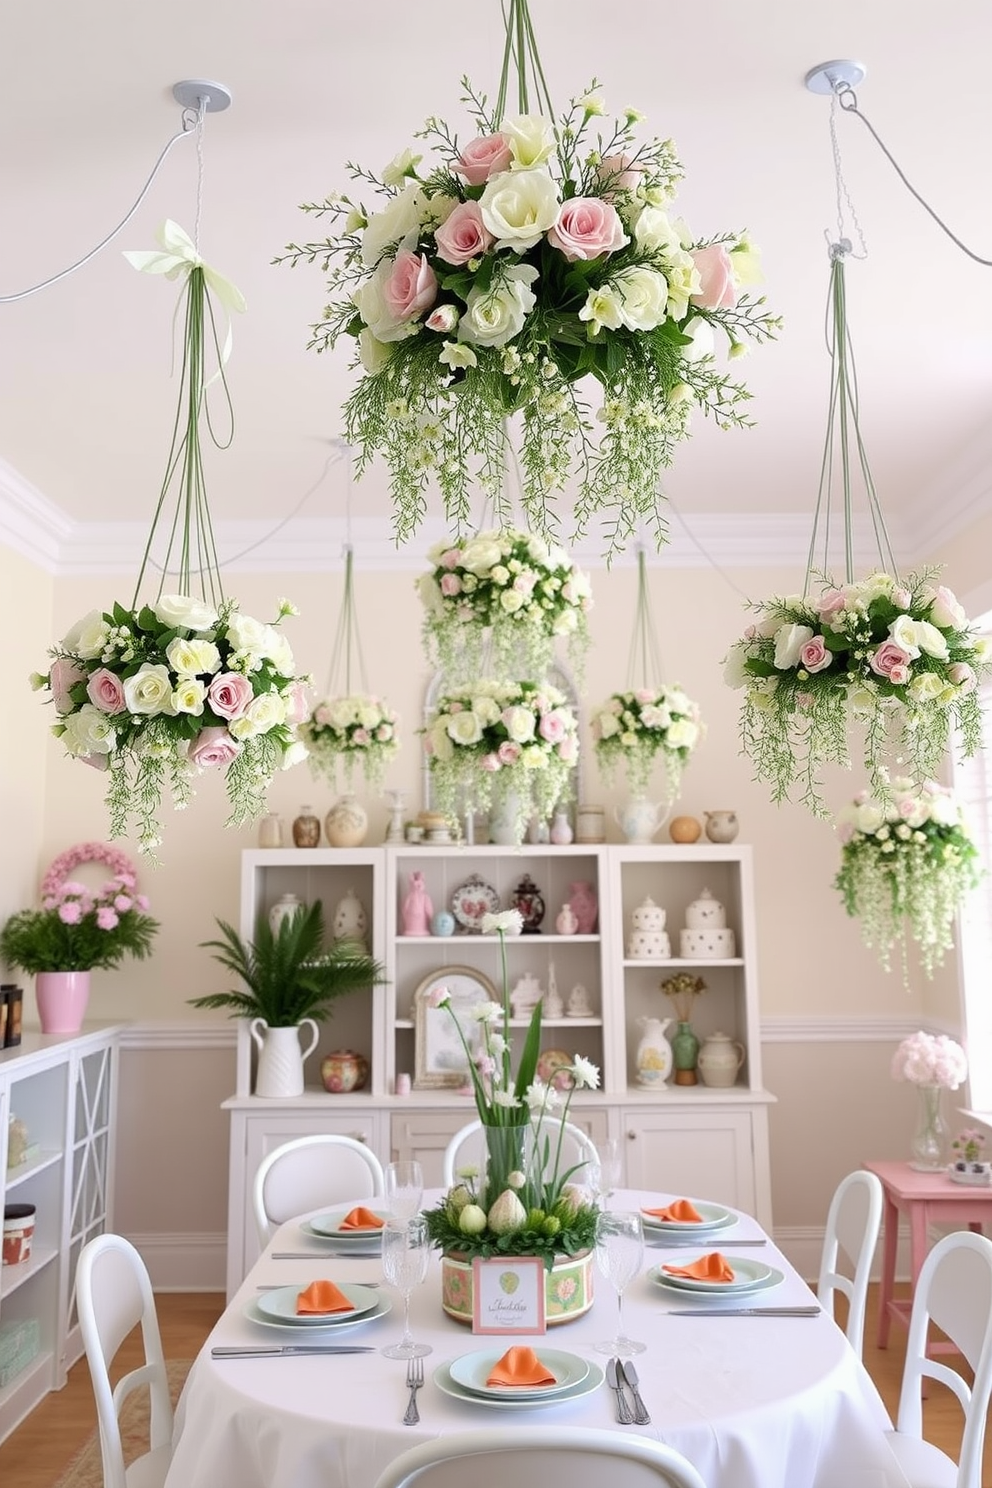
[[721, 826], [719, 1060], [706, 945], [648, 937], [350, 923], [347, 822], [561, 829], [343, 1071], [705, 913]]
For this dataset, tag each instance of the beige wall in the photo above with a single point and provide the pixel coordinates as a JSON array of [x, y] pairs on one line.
[[25, 623]]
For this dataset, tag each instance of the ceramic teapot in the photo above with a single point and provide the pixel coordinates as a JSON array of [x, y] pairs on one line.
[[654, 1053], [719, 1060], [640, 819]]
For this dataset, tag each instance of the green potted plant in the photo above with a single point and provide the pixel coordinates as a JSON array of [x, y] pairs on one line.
[[288, 980]]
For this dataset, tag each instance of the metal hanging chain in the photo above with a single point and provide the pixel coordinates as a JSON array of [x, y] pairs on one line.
[[644, 650], [843, 194], [847, 98]]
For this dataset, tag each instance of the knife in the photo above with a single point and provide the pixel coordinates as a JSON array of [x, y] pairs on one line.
[[624, 1416], [744, 1312], [252, 1351], [698, 1244]]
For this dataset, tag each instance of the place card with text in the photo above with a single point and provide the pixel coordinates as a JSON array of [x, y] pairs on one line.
[[508, 1295]]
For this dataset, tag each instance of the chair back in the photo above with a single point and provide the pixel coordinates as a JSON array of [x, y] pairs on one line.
[[547, 1454], [577, 1148], [113, 1295], [849, 1248], [955, 1292], [300, 1175]]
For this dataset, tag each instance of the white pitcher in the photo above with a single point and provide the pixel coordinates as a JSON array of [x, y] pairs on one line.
[[639, 820], [280, 1058]]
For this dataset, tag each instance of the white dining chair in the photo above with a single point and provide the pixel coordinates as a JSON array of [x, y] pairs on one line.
[[113, 1295], [546, 1454], [955, 1291], [851, 1235], [577, 1148], [300, 1175]]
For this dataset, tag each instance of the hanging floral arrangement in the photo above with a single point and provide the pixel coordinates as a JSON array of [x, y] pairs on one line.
[[907, 863], [493, 277], [900, 659], [157, 692], [498, 743], [344, 732], [632, 729], [499, 602]]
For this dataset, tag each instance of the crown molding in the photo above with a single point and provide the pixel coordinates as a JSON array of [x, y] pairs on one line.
[[30, 524]]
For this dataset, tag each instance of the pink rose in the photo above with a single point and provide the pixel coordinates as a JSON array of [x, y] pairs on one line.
[[63, 675], [902, 599], [830, 604], [814, 656], [360, 737], [464, 235], [443, 319], [451, 584], [524, 583], [508, 752], [962, 675], [436, 996], [213, 746], [106, 692], [587, 227], [490, 763], [298, 704], [717, 290], [644, 695], [891, 661], [568, 749], [451, 558], [618, 173], [411, 287], [552, 728], [483, 157], [322, 715], [229, 695]]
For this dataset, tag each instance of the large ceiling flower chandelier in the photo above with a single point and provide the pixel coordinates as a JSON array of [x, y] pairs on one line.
[[497, 279]]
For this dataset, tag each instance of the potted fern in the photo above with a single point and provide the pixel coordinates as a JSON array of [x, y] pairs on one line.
[[288, 980]]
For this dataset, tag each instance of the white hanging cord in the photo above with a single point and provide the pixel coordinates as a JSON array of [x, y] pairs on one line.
[[699, 548], [847, 98], [200, 115], [191, 122]]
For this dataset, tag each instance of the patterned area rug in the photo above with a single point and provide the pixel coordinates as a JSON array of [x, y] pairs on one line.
[[86, 1468]]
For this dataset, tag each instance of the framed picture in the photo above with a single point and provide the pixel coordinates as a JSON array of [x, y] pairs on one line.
[[440, 1061]]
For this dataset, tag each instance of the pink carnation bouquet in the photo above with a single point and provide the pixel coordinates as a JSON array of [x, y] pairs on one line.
[[79, 928]]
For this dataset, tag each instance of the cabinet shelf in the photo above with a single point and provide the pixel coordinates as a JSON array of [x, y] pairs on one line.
[[492, 940], [634, 961], [16, 1176]]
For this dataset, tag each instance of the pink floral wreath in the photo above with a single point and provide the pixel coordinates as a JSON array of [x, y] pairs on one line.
[[87, 852]]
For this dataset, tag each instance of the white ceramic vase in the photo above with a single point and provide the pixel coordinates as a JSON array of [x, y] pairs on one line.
[[280, 1058]]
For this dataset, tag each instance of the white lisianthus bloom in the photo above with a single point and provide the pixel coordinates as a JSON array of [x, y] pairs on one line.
[[192, 658], [149, 691], [875, 586], [925, 687], [402, 165], [789, 642], [518, 207], [262, 714], [703, 340], [745, 261], [643, 296], [683, 734], [401, 215], [454, 356], [87, 637], [480, 555], [89, 731], [373, 353], [905, 632], [278, 650], [464, 728], [189, 696], [441, 746], [584, 1073], [565, 623], [519, 724], [931, 640], [602, 308], [608, 725], [294, 754], [531, 138], [683, 282], [485, 1012], [486, 710], [653, 232], [185, 612], [246, 634], [495, 315]]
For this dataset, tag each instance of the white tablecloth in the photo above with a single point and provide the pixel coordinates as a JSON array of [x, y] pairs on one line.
[[752, 1402]]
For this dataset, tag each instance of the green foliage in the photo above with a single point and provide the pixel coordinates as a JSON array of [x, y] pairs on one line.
[[574, 1231], [36, 940], [286, 975]]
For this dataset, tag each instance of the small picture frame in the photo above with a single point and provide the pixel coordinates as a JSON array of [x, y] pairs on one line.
[[508, 1295], [439, 1056]]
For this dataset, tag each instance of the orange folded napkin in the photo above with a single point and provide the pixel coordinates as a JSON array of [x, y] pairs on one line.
[[520, 1366], [681, 1211], [321, 1297], [712, 1267], [361, 1219]]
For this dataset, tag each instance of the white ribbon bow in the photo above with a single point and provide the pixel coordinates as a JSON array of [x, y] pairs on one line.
[[177, 258]]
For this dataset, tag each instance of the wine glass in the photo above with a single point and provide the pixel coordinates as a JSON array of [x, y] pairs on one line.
[[608, 1164], [619, 1252], [405, 1252], [404, 1188]]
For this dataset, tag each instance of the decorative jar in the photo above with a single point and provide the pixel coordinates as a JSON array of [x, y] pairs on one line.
[[590, 824], [585, 906], [528, 899], [285, 906], [350, 925], [306, 828], [270, 832], [685, 1055], [719, 1061], [561, 833], [654, 1057], [685, 829], [347, 822], [343, 1071], [721, 826]]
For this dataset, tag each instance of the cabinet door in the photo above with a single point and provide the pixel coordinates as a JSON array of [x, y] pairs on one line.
[[424, 1135], [699, 1154]]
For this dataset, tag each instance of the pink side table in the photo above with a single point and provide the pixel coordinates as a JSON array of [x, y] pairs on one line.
[[925, 1198]]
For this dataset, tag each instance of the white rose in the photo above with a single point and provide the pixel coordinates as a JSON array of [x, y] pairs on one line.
[[944, 811], [531, 138], [654, 232], [868, 818], [480, 555], [945, 609], [294, 754], [486, 710], [905, 633], [189, 696], [656, 717], [192, 658], [677, 700], [401, 215], [519, 207], [608, 725], [931, 640], [373, 353], [511, 601], [703, 343], [430, 594], [519, 724], [875, 586], [683, 734], [262, 713], [533, 757], [87, 637], [926, 687], [495, 315], [464, 728], [149, 690], [789, 642], [441, 746], [278, 650], [246, 634], [369, 715], [371, 304], [184, 611], [643, 296], [342, 713], [89, 731]]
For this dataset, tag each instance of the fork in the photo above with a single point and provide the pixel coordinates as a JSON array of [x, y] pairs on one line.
[[414, 1380]]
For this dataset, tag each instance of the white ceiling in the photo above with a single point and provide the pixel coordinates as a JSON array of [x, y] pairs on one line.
[[86, 400]]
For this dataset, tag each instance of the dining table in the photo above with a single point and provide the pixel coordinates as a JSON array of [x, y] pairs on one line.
[[759, 1400]]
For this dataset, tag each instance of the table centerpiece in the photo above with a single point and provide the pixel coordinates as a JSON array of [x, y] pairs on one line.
[[522, 1202]]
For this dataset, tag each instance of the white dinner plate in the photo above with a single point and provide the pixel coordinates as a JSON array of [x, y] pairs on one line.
[[347, 1320], [368, 1245], [472, 1370], [754, 1277], [280, 1304], [328, 1226], [714, 1217], [520, 1402]]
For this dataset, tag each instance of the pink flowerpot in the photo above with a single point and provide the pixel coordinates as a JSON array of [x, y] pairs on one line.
[[62, 997]]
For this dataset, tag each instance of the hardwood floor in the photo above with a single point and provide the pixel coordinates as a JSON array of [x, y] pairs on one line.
[[37, 1453]]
